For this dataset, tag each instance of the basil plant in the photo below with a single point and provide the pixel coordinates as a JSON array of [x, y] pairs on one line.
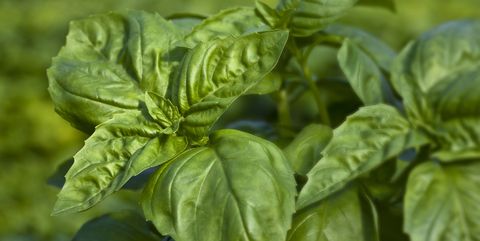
[[376, 146]]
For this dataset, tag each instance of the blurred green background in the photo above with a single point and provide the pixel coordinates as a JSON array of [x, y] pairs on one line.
[[34, 140]]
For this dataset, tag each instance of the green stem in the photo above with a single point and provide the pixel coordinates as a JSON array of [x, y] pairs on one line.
[[307, 74]]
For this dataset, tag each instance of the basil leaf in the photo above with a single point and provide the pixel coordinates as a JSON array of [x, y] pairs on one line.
[[108, 62], [186, 21], [436, 56], [457, 122], [364, 141], [229, 22], [346, 215], [388, 4], [269, 15], [120, 226], [305, 150], [270, 83], [376, 49], [441, 202], [363, 74], [310, 16], [437, 77], [214, 74], [119, 149], [57, 179], [163, 111], [211, 193]]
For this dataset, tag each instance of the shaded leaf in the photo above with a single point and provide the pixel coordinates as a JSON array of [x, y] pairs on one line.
[[211, 193], [119, 149], [441, 202], [364, 141], [121, 226], [346, 215], [57, 179], [437, 77], [305, 150], [376, 49]]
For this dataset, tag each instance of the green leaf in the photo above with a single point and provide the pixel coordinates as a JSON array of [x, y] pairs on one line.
[[270, 83], [269, 15], [305, 150], [376, 49], [437, 77], [107, 64], [346, 215], [457, 121], [163, 111], [388, 4], [441, 202], [214, 74], [212, 193], [310, 16], [436, 56], [230, 22], [121, 226], [363, 74], [364, 141], [119, 149], [186, 21], [57, 179]]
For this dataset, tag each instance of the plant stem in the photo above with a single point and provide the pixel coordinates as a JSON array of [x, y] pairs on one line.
[[307, 74]]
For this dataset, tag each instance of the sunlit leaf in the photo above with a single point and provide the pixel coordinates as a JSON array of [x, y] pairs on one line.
[[226, 23], [118, 150], [215, 73], [108, 62], [212, 193], [310, 16]]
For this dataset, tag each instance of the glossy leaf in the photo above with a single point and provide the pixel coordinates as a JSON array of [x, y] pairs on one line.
[[121, 226], [441, 202], [437, 76], [375, 48], [211, 193], [163, 111], [230, 22], [270, 83], [363, 74], [305, 150], [269, 15], [214, 74], [108, 62], [364, 141], [346, 215], [118, 150], [310, 16]]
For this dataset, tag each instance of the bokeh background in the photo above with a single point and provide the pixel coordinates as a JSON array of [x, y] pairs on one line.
[[34, 140]]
